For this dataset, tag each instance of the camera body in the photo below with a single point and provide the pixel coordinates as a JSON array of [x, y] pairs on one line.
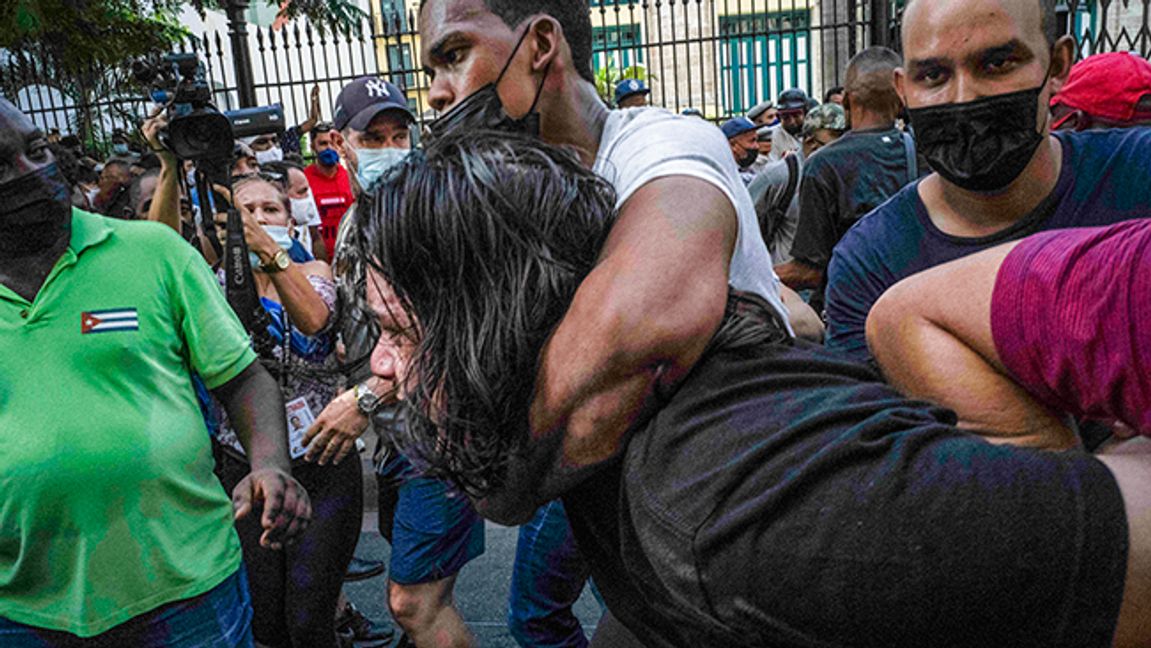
[[196, 130]]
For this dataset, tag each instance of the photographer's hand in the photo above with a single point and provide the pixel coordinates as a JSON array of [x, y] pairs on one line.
[[166, 201]]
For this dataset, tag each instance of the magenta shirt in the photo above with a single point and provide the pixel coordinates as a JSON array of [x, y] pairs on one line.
[[1071, 320]]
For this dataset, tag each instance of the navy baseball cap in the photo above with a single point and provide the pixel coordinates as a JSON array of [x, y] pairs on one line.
[[737, 126], [361, 100], [628, 87], [793, 100]]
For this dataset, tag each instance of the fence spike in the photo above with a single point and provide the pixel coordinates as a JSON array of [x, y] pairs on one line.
[[308, 33], [260, 38]]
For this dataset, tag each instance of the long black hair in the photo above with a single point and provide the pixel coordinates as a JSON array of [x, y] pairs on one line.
[[484, 239]]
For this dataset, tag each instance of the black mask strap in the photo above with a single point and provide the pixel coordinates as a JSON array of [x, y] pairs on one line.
[[512, 57]]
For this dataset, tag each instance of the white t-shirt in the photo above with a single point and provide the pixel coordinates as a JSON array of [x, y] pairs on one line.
[[641, 144]]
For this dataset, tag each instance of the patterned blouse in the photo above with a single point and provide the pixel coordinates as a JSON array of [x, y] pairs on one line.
[[305, 366]]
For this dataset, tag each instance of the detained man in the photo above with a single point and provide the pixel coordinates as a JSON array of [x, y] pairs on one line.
[[434, 533]]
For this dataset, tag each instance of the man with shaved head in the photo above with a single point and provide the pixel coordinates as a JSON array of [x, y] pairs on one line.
[[977, 80], [853, 175]]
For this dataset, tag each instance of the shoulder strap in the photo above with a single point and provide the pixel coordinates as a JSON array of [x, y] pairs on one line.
[[912, 161], [792, 180], [778, 210]]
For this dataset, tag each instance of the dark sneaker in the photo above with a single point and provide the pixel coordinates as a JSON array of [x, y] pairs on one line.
[[363, 629]]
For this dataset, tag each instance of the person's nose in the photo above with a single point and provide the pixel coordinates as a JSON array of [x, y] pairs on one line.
[[440, 96], [384, 361]]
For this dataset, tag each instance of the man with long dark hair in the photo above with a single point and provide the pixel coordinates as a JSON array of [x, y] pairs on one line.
[[779, 495], [687, 230]]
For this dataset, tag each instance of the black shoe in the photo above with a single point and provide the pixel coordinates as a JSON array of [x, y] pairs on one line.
[[363, 629], [360, 569]]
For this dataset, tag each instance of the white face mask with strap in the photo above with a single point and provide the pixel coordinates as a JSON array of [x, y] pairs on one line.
[[304, 211]]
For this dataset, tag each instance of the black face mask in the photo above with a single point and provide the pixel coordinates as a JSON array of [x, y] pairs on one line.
[[34, 212], [483, 110], [981, 145], [749, 158]]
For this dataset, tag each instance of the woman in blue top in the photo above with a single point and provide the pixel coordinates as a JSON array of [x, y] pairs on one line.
[[294, 591]]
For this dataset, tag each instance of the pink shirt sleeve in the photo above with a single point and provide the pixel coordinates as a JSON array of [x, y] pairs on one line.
[[1071, 320]]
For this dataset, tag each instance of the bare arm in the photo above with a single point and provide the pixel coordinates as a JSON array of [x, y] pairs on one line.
[[166, 201], [303, 304], [804, 320], [313, 112], [256, 410], [934, 342], [642, 318]]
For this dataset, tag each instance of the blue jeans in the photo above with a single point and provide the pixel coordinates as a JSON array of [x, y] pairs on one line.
[[547, 579], [219, 618]]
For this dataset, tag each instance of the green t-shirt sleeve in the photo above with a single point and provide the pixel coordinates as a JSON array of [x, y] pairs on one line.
[[218, 346]]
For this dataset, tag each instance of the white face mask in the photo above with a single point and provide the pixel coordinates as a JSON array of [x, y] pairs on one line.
[[91, 194], [304, 211], [274, 154], [281, 234]]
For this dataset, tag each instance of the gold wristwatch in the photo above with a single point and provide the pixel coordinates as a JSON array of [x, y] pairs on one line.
[[279, 263]]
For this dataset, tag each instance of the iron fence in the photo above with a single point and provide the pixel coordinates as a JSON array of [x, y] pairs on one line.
[[718, 56]]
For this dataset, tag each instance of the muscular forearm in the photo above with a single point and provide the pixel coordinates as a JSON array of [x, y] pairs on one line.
[[256, 409]]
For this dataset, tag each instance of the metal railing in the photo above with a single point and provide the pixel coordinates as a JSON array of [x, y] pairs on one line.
[[718, 56]]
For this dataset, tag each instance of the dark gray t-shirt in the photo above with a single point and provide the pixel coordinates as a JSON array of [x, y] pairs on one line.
[[844, 181]]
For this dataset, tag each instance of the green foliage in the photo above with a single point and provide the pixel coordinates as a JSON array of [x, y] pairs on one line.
[[75, 36], [608, 76]]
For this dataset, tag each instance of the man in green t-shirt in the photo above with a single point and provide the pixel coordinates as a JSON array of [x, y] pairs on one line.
[[113, 528]]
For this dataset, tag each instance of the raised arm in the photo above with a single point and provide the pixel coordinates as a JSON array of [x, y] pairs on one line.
[[638, 323], [166, 201]]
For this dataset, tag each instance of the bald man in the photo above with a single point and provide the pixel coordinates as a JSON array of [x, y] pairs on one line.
[[853, 175], [977, 80]]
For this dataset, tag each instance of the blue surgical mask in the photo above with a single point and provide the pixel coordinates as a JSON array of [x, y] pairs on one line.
[[372, 164], [120, 148], [328, 157], [281, 235]]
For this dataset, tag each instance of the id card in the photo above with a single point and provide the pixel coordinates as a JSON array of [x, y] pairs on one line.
[[300, 418]]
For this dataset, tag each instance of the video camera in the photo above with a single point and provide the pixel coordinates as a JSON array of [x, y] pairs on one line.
[[196, 130]]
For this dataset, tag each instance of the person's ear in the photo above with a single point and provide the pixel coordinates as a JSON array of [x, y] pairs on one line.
[[900, 79], [546, 37], [337, 140], [1062, 58]]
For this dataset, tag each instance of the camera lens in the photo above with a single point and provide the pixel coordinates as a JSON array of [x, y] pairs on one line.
[[204, 134]]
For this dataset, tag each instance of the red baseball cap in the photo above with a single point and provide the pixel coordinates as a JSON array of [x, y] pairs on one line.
[[1109, 86]]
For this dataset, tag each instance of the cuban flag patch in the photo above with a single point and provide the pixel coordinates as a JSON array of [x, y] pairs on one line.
[[108, 321]]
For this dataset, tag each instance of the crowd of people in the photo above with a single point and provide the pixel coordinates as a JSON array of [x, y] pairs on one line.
[[860, 372]]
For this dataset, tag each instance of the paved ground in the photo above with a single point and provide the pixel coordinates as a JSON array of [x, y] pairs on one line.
[[482, 588]]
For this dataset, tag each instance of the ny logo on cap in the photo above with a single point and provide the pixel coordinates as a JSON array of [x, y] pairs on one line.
[[634, 85], [377, 88]]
